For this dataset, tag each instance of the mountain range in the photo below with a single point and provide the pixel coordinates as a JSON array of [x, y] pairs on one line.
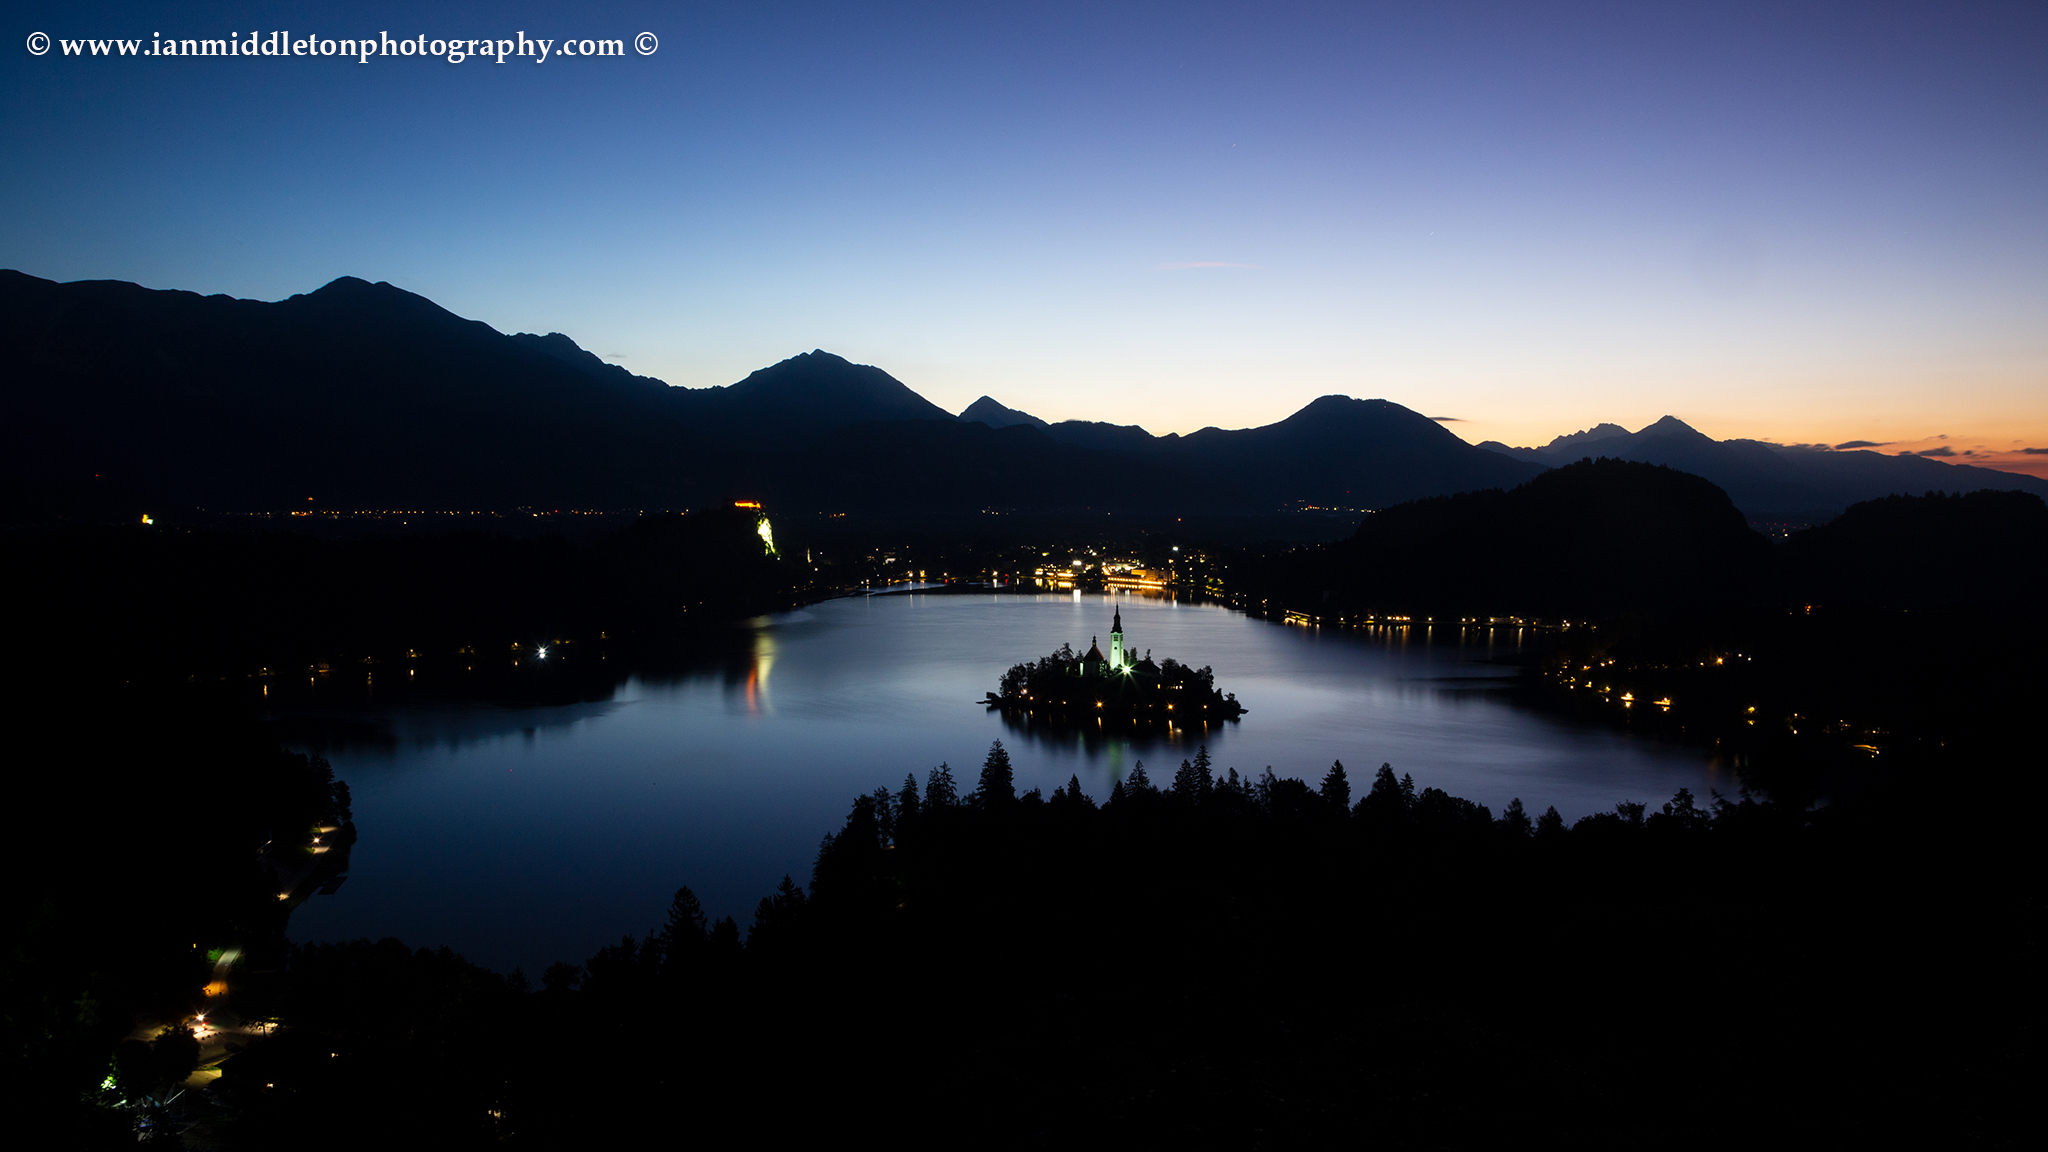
[[365, 396], [1769, 480]]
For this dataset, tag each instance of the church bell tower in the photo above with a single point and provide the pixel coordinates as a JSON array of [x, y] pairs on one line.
[[1117, 661]]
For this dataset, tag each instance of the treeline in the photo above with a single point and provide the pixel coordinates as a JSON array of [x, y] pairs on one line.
[[138, 601], [1253, 962]]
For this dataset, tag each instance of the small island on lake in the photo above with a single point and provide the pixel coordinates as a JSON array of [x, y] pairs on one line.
[[1065, 686]]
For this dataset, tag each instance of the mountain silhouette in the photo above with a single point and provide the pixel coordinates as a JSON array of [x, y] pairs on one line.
[[569, 352], [1106, 437], [364, 396], [1984, 550], [987, 411], [816, 391], [1587, 539], [1769, 480]]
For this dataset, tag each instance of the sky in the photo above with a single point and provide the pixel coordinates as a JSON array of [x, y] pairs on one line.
[[1802, 223]]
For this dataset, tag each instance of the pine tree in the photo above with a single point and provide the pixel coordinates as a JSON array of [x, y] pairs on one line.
[[1389, 802], [1071, 796], [939, 791], [885, 815], [1515, 821], [1139, 783], [777, 919], [1336, 789], [998, 787], [684, 929], [906, 800], [1550, 823]]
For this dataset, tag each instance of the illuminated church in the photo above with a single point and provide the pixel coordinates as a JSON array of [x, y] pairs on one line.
[[1119, 662]]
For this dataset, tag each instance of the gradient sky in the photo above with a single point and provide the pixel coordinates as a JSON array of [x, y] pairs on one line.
[[1799, 223]]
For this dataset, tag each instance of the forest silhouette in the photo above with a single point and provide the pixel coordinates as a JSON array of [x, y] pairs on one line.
[[1228, 959]]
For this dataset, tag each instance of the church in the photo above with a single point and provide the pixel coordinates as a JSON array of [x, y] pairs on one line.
[[1117, 684], [1119, 662]]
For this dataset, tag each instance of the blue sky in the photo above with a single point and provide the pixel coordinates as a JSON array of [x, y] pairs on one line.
[[1804, 223]]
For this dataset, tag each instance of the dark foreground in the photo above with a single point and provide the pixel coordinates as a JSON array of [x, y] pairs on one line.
[[1240, 963]]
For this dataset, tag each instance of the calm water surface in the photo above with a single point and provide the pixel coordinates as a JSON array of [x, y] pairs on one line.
[[522, 836]]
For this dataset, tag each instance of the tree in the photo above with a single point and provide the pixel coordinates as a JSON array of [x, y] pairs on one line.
[[1682, 813], [683, 934], [906, 800], [561, 977], [1336, 789], [885, 815], [939, 790], [153, 1070], [1139, 784], [777, 919], [1550, 824], [998, 787], [1071, 797], [1194, 780], [1514, 821], [1389, 801], [725, 941]]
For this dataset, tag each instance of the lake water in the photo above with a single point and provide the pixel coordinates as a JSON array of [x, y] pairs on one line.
[[521, 836]]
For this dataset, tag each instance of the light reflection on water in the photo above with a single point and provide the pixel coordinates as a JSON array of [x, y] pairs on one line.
[[519, 836]]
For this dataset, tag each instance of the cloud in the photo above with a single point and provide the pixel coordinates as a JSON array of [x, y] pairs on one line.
[[1848, 444], [2034, 451], [1203, 264], [1448, 419], [1944, 450]]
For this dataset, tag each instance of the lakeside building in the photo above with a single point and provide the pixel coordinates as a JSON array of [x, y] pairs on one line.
[[1119, 661]]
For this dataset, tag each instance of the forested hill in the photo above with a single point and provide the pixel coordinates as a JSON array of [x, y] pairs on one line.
[[1582, 540], [1604, 537]]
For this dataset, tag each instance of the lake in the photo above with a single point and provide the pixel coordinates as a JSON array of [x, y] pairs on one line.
[[518, 836]]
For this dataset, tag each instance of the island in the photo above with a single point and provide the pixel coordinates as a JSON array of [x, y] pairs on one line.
[[1115, 685]]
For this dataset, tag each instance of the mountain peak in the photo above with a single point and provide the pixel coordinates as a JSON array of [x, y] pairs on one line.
[[988, 411], [821, 388], [1590, 435], [1673, 426]]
